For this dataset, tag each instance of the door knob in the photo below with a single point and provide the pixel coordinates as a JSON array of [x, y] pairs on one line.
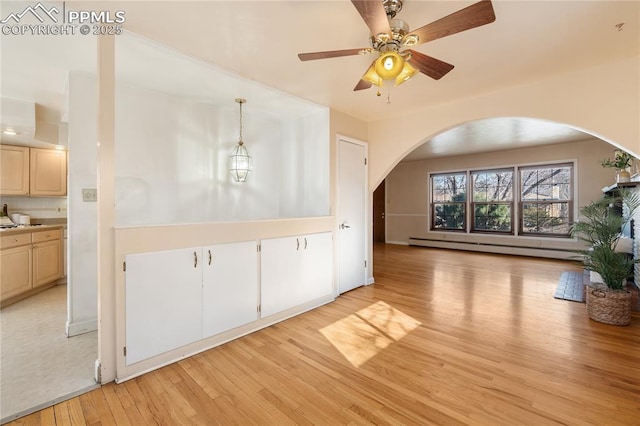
[[343, 226]]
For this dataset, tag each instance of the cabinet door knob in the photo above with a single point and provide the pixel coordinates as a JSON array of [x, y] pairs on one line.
[[209, 256], [297, 244], [195, 259], [305, 243]]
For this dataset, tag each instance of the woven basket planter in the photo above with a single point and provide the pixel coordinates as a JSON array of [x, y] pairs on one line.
[[608, 306]]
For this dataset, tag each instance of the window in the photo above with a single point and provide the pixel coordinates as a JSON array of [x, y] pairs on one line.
[[546, 200], [492, 201], [449, 201], [539, 199]]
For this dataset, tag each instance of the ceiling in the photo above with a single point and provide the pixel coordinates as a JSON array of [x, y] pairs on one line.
[[259, 40]]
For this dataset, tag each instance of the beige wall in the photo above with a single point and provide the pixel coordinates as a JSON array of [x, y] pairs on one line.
[[603, 100], [343, 125], [407, 188]]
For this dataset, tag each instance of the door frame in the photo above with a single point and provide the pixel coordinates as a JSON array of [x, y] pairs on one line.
[[368, 206], [383, 187]]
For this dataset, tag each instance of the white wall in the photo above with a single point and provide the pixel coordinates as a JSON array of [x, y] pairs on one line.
[[82, 218], [172, 154]]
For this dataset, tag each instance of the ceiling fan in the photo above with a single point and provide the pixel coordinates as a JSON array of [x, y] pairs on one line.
[[390, 38]]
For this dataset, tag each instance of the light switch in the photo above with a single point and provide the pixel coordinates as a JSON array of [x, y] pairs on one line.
[[89, 195]]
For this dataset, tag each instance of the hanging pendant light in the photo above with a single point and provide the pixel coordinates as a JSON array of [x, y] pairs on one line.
[[239, 160]]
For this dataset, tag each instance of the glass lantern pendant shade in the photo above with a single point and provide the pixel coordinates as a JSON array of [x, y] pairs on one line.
[[240, 163]]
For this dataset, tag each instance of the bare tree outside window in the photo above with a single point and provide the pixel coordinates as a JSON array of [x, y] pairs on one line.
[[543, 193], [492, 205], [449, 199], [546, 200]]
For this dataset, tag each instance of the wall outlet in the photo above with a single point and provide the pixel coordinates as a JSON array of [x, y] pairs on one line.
[[90, 195]]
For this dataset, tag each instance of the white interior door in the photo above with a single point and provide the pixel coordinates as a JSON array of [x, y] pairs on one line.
[[352, 181]]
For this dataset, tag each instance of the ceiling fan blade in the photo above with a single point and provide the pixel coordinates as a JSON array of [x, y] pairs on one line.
[[434, 68], [374, 15], [362, 85], [473, 16], [329, 54]]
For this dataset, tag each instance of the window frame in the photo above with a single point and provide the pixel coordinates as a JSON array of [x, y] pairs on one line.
[[463, 203], [570, 202], [517, 210], [511, 203]]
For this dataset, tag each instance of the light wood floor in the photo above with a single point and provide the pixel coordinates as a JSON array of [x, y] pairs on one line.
[[443, 337]]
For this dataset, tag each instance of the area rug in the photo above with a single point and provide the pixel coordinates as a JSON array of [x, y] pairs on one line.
[[571, 287]]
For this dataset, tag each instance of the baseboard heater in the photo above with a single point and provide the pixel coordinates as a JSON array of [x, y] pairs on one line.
[[494, 248]]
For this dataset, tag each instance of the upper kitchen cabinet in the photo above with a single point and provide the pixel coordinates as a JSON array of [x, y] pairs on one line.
[[48, 172], [14, 170], [32, 171]]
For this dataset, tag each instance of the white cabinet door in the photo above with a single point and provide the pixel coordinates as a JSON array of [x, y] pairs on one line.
[[229, 286], [163, 309], [317, 266], [279, 271], [295, 270]]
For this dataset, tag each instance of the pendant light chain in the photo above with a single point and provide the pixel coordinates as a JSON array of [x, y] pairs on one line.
[[241, 101]]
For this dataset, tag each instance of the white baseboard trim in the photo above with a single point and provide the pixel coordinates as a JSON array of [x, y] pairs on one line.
[[370, 281], [498, 249], [77, 328], [399, 243]]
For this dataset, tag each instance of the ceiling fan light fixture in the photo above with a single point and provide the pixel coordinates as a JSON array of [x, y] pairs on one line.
[[407, 72], [372, 77], [381, 38], [410, 40], [389, 65]]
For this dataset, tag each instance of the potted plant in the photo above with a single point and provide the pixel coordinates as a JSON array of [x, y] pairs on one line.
[[600, 227], [621, 162]]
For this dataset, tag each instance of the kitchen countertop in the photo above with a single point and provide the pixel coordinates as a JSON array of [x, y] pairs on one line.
[[21, 229]]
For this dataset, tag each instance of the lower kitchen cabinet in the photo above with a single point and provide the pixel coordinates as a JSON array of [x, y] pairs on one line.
[[229, 286], [47, 257], [28, 262], [295, 270], [163, 305], [15, 271]]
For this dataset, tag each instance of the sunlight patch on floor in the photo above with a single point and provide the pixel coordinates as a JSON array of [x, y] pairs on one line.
[[360, 336]]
